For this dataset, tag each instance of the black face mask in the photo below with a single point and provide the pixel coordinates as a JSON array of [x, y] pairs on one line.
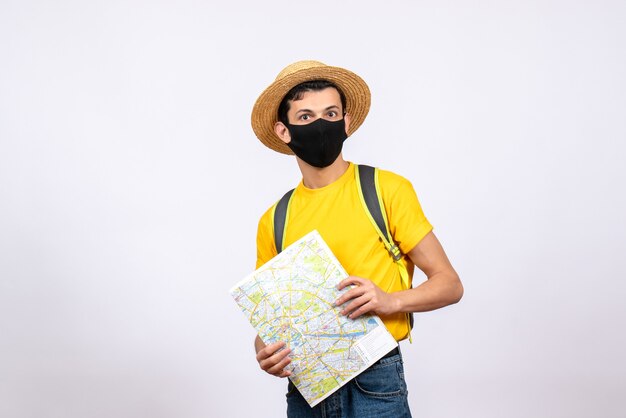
[[319, 143]]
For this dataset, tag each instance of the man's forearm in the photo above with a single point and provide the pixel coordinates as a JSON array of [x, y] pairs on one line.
[[440, 290]]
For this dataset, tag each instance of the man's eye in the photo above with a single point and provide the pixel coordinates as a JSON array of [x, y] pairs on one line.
[[332, 114], [305, 117]]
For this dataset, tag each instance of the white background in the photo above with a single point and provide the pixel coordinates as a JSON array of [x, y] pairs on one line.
[[131, 184]]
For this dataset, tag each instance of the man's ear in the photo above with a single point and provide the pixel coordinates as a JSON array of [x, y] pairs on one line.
[[347, 118], [282, 132]]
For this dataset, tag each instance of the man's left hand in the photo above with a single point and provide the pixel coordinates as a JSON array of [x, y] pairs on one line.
[[365, 297]]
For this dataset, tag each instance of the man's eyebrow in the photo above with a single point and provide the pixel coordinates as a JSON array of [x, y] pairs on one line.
[[310, 111]]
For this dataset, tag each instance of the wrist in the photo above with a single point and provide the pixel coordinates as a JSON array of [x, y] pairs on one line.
[[397, 304]]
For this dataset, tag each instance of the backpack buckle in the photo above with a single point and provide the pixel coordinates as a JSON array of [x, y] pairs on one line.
[[395, 252]]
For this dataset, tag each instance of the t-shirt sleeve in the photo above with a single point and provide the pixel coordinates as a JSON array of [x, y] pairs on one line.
[[407, 221], [265, 247]]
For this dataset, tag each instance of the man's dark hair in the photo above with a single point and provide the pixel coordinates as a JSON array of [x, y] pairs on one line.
[[298, 91]]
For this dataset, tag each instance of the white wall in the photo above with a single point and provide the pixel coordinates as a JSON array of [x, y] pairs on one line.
[[131, 184]]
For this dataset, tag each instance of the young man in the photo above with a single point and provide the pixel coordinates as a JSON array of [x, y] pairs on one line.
[[309, 111]]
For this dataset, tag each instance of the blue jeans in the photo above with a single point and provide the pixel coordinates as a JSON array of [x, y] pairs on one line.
[[378, 392]]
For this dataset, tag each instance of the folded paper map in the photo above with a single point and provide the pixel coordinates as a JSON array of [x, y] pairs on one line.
[[291, 298]]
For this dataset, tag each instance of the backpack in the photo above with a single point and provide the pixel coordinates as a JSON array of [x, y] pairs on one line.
[[371, 199]]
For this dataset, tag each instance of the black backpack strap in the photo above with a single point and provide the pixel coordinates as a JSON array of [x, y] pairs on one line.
[[370, 194], [280, 219]]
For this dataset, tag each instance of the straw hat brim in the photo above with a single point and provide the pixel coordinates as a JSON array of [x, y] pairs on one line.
[[265, 110]]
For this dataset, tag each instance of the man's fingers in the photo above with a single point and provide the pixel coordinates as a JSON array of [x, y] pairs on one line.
[[273, 359], [279, 368], [354, 304], [351, 294], [350, 280], [271, 350], [363, 309]]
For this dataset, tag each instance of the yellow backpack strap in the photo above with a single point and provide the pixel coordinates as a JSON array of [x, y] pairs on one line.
[[372, 201], [281, 212], [369, 192]]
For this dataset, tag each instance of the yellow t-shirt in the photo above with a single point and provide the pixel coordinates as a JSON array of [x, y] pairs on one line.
[[337, 213]]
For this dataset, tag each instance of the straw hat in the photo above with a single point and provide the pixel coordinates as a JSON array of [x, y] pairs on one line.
[[265, 110]]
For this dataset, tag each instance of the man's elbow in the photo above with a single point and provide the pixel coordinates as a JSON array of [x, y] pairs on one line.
[[456, 290]]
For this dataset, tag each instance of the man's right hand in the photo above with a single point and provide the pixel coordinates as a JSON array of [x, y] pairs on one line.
[[270, 359]]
